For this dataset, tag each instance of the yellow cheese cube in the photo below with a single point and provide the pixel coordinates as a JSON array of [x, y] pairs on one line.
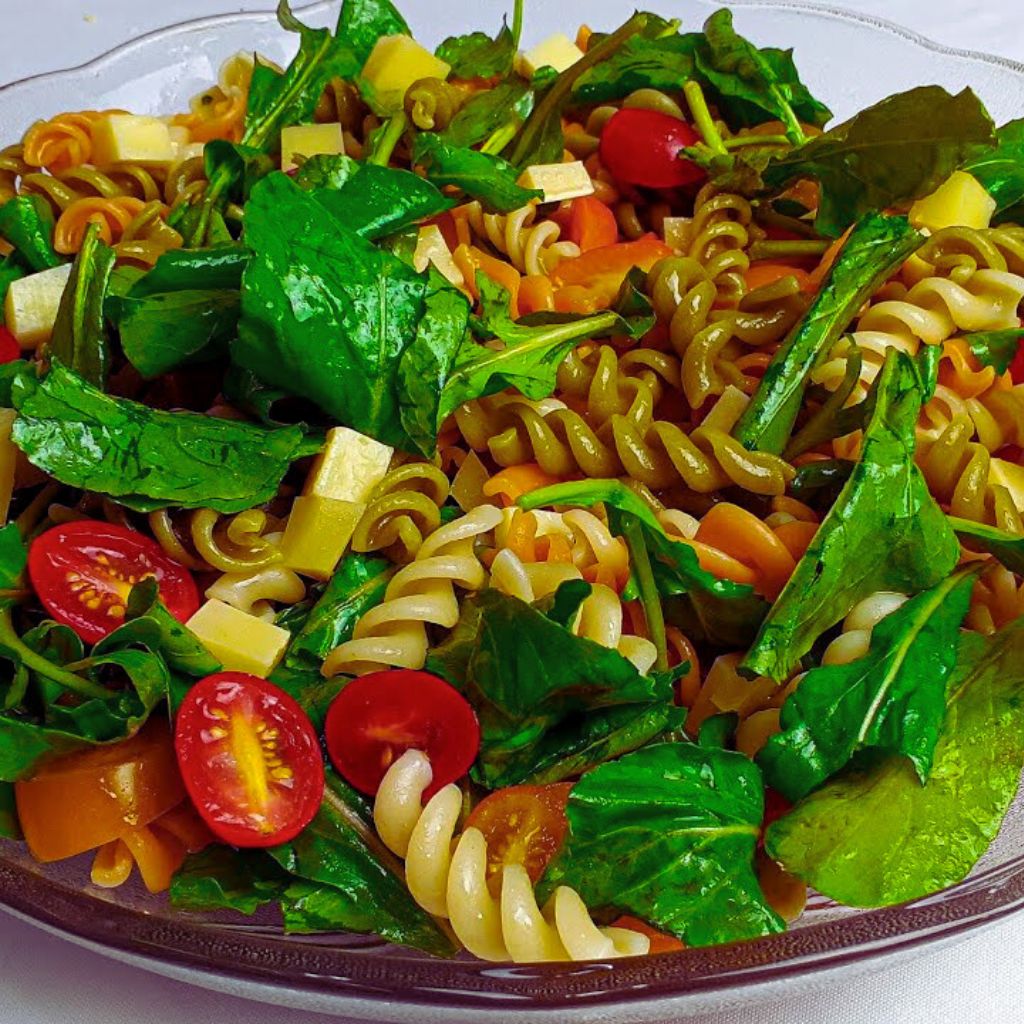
[[8, 462], [240, 642], [317, 534], [349, 466], [1010, 476], [134, 138], [30, 309], [558, 181], [557, 51], [306, 140], [431, 248], [394, 64], [960, 201]]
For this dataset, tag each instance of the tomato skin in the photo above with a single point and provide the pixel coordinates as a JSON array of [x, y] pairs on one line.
[[591, 224], [378, 717], [642, 147], [89, 562], [250, 759], [1017, 365], [522, 825], [10, 349]]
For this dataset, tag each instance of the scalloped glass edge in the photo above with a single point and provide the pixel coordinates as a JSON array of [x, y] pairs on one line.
[[362, 978]]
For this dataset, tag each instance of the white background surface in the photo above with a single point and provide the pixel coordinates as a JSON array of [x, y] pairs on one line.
[[44, 980]]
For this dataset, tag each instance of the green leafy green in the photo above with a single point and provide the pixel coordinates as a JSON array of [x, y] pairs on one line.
[[362, 22], [477, 55], [10, 827], [325, 314], [875, 248], [885, 532], [27, 223], [550, 704], [218, 268], [221, 878], [1008, 548], [899, 150], [1001, 170], [143, 457], [875, 837], [79, 334], [892, 699], [668, 833], [243, 165], [487, 111], [996, 348], [718, 730], [648, 60]]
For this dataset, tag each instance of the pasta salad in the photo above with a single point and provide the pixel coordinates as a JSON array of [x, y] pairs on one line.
[[556, 502]]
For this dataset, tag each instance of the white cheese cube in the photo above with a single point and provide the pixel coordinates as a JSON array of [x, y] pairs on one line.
[[239, 641], [30, 309], [558, 181], [306, 140], [349, 466], [133, 138], [557, 51], [431, 248]]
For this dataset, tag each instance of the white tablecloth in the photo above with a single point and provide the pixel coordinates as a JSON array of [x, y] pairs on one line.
[[44, 980]]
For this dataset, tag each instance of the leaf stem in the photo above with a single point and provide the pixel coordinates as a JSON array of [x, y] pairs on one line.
[[384, 145], [517, 23], [785, 249], [702, 117], [739, 141], [500, 138], [640, 560]]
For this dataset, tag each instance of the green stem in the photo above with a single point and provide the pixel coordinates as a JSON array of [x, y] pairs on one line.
[[794, 130], [768, 217], [783, 249], [385, 144], [517, 23], [559, 91], [739, 141], [640, 561], [500, 138], [702, 117], [46, 668]]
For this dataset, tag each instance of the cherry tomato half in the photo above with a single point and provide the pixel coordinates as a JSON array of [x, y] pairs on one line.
[[522, 825], [250, 759], [378, 717], [642, 147], [10, 349], [84, 571]]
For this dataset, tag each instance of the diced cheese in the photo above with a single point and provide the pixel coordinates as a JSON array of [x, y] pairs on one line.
[[394, 64], [960, 201], [318, 533], [134, 138], [557, 51], [431, 248], [240, 642], [348, 467], [558, 181], [1010, 476], [306, 140], [30, 309], [8, 462]]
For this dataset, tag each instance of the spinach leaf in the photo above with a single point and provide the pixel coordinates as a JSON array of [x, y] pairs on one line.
[[718, 731], [648, 60], [362, 22], [477, 55], [27, 223], [244, 165], [1008, 548], [339, 849], [325, 314], [218, 268], [481, 175], [1001, 170], [885, 532], [550, 704], [669, 833], [10, 827], [996, 348], [888, 155], [875, 248], [143, 457], [487, 111], [892, 699], [79, 335], [875, 837], [222, 878]]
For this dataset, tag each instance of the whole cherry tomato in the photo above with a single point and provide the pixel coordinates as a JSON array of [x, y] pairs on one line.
[[642, 147]]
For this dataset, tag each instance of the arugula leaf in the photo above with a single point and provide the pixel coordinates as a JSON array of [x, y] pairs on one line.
[[875, 837], [1008, 548], [339, 849], [899, 150], [487, 111], [669, 833], [26, 222], [996, 348], [325, 315], [362, 22], [143, 457], [892, 699], [875, 248], [1001, 170], [481, 175], [222, 878], [79, 336], [550, 704], [885, 532], [477, 55]]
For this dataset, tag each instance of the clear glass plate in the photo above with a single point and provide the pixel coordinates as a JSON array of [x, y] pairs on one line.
[[848, 61]]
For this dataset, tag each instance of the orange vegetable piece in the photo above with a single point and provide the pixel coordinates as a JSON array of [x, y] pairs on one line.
[[796, 536], [591, 224], [603, 270], [767, 272], [717, 562], [536, 295], [515, 481], [469, 259]]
